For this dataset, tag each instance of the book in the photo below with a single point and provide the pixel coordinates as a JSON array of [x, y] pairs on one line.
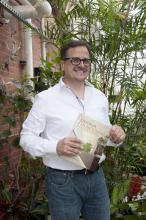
[[94, 136]]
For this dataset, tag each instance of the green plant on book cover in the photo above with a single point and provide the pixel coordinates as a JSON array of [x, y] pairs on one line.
[[87, 147]]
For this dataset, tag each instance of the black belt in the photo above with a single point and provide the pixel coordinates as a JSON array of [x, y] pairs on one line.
[[83, 171]]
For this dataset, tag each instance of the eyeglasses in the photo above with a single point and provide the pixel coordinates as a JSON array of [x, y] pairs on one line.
[[76, 61]]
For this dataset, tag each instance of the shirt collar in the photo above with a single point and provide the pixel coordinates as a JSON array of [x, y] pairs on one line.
[[62, 84]]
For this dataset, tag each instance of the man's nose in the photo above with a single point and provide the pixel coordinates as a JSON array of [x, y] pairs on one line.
[[82, 63]]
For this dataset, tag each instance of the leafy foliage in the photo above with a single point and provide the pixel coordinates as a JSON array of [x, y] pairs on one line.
[[49, 74], [116, 33], [22, 197]]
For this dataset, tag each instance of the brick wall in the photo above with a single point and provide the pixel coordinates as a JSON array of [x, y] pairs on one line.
[[12, 35]]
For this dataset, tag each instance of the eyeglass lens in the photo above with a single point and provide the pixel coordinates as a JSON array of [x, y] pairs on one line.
[[77, 60]]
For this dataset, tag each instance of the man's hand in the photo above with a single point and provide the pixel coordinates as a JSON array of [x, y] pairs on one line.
[[117, 135], [69, 147]]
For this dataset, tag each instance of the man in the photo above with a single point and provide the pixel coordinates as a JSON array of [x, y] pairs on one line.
[[70, 189]]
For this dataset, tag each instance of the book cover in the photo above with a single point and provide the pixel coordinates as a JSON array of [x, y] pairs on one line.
[[94, 136]]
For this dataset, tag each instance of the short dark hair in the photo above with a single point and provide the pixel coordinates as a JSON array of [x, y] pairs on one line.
[[72, 44]]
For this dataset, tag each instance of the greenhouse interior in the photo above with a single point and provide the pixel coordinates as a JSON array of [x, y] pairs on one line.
[[112, 54]]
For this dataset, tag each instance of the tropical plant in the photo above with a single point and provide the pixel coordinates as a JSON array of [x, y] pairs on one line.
[[49, 73], [22, 195], [116, 33], [110, 27], [21, 188], [14, 109]]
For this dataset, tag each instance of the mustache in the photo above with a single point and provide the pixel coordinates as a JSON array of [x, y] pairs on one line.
[[80, 68]]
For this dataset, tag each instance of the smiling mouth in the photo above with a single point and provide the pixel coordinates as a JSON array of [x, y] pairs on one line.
[[81, 70]]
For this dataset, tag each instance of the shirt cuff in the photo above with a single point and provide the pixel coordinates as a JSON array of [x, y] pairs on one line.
[[112, 144], [50, 146], [38, 146]]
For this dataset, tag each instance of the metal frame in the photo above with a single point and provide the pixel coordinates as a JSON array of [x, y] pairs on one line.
[[19, 17]]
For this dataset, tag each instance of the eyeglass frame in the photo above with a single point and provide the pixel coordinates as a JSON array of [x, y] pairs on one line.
[[84, 59]]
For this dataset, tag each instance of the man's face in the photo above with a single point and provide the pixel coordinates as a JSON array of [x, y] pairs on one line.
[[72, 70]]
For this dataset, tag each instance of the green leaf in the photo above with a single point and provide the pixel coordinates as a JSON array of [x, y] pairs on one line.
[[57, 60], [6, 133], [120, 191], [87, 147], [10, 120]]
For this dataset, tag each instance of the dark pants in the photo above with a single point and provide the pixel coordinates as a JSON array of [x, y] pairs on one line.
[[70, 195]]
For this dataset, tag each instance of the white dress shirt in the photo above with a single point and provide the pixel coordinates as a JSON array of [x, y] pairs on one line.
[[52, 117]]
